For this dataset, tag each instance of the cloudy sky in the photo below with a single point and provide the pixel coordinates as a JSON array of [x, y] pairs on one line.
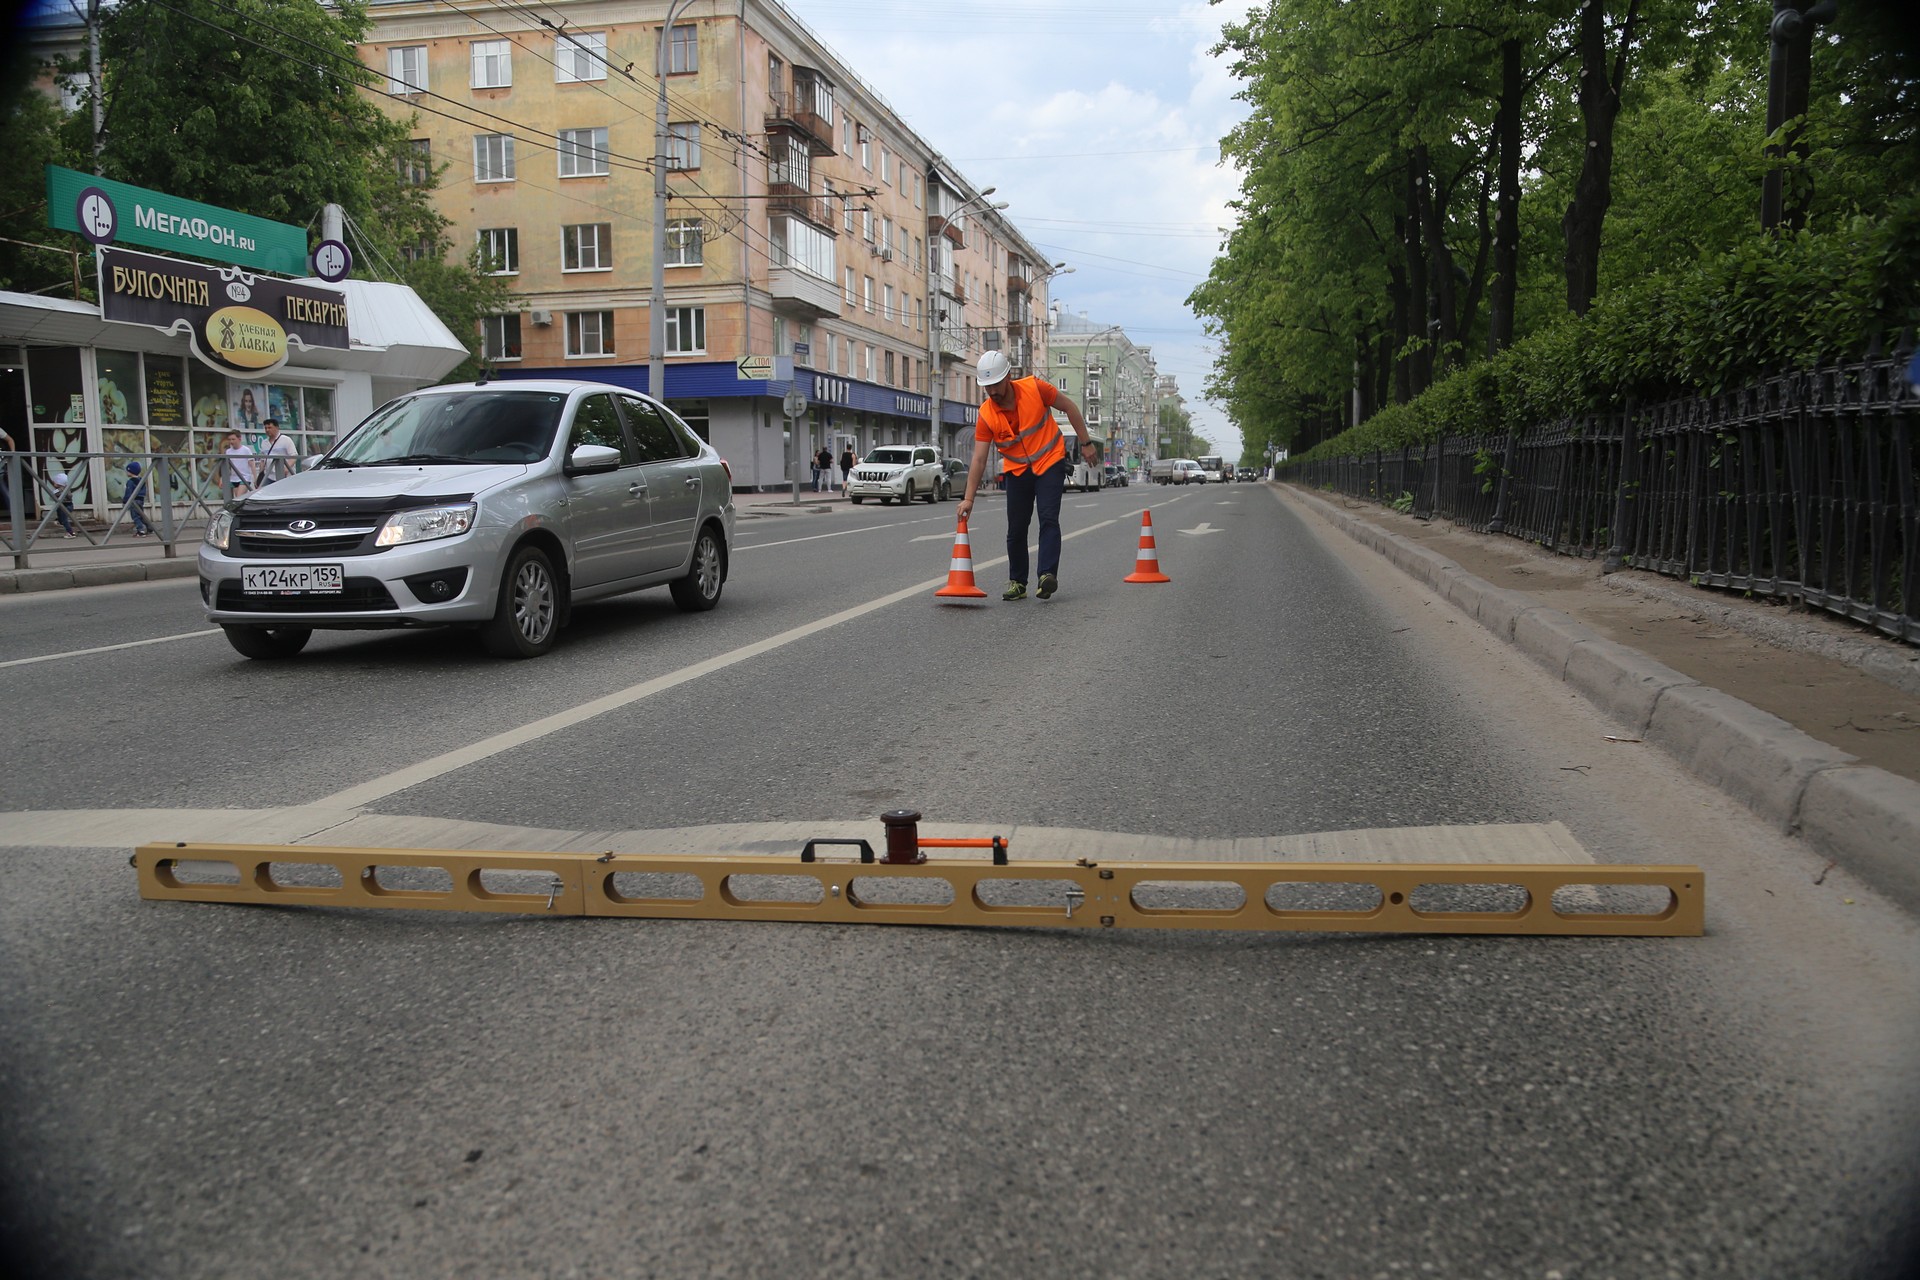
[[1099, 121]]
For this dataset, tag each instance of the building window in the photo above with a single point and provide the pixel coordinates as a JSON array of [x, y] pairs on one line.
[[500, 337], [793, 242], [493, 157], [589, 333], [492, 64], [866, 362], [789, 162], [886, 164], [846, 138], [846, 203], [890, 381], [407, 69], [853, 294], [866, 225], [579, 55], [76, 90], [421, 250], [683, 50], [500, 250], [416, 166], [686, 331], [886, 301], [686, 242], [886, 235], [587, 246], [683, 146], [866, 147], [868, 286], [583, 153]]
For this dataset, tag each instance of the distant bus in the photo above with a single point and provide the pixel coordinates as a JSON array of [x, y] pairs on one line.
[[1216, 468], [1082, 475]]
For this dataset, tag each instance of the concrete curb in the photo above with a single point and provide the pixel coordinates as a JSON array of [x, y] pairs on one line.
[[94, 575], [1864, 818]]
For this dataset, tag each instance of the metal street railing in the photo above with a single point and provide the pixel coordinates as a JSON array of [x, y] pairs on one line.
[[178, 492], [1804, 487]]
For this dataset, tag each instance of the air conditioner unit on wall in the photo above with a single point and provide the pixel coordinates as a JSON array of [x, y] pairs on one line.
[[886, 255], [540, 315]]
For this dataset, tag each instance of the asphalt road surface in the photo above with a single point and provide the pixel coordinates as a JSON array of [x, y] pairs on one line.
[[203, 1091]]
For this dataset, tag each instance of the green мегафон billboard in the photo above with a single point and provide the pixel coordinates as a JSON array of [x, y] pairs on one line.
[[108, 212]]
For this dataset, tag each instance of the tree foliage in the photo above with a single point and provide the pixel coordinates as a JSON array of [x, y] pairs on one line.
[[1431, 185], [260, 106]]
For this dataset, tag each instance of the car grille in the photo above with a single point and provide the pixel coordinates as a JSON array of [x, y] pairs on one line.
[[880, 476], [333, 535], [358, 595]]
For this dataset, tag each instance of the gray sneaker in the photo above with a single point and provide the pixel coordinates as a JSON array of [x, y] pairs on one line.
[[1014, 591], [1048, 585]]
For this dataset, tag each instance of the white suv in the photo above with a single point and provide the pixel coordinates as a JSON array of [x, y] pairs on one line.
[[902, 471]]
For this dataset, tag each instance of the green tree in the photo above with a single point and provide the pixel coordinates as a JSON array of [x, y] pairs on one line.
[[277, 118]]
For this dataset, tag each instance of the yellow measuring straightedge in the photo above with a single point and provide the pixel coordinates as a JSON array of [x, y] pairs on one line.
[[1502, 898]]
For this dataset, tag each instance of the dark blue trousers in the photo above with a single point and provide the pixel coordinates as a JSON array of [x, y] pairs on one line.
[[1025, 492]]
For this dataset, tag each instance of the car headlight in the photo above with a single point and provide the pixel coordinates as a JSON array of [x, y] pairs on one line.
[[219, 529], [424, 524]]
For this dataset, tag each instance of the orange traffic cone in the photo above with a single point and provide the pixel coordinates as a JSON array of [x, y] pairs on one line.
[[1146, 567], [960, 572]]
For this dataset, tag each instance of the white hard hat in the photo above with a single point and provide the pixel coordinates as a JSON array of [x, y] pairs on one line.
[[993, 368], [60, 477]]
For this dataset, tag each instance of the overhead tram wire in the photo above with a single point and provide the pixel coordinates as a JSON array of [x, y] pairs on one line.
[[523, 131]]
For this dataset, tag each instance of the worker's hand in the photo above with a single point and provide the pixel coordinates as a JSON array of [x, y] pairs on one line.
[[966, 507]]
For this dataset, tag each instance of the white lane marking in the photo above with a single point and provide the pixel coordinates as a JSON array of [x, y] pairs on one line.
[[427, 770], [108, 648], [1201, 530], [931, 537], [815, 537]]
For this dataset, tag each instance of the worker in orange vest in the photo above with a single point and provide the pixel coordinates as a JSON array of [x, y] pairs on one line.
[[1017, 419]]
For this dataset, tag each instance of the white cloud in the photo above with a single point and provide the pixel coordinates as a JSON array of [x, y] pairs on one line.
[[1102, 132]]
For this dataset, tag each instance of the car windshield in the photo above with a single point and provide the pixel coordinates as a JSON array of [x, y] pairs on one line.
[[485, 425], [891, 455]]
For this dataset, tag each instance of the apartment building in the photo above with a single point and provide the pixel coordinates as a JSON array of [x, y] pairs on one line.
[[1113, 380], [808, 228]]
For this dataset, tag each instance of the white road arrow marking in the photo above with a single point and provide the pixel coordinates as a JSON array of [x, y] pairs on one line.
[[1201, 530]]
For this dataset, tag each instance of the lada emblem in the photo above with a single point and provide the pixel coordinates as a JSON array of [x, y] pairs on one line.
[[303, 526]]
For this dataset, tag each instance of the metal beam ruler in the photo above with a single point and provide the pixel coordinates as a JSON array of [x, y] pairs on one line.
[[1452, 898]]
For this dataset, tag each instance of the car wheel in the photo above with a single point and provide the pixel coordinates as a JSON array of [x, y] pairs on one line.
[[907, 498], [526, 621], [268, 642], [700, 589], [934, 494], [856, 501]]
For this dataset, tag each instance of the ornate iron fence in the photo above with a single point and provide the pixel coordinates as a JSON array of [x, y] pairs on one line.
[[1804, 487]]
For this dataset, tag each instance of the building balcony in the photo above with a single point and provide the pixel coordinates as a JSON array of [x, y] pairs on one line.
[[803, 294], [953, 342], [786, 197], [1017, 280], [954, 229], [797, 111]]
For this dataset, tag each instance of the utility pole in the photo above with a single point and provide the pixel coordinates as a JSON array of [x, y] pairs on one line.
[[1789, 85], [657, 300]]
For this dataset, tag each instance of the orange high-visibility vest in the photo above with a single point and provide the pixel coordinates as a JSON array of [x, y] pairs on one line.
[[1030, 438]]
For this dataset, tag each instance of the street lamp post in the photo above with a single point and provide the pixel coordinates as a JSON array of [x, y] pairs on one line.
[[936, 369], [657, 300]]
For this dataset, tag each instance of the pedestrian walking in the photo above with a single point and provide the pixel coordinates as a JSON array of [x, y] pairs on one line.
[[135, 500], [239, 467], [846, 469], [823, 470], [1017, 419], [278, 459], [62, 505]]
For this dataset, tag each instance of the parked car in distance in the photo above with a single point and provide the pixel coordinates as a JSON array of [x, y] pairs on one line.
[[897, 471], [496, 506], [1116, 476], [1177, 471], [953, 479]]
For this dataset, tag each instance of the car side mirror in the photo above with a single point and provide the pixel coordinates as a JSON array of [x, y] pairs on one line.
[[592, 459]]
